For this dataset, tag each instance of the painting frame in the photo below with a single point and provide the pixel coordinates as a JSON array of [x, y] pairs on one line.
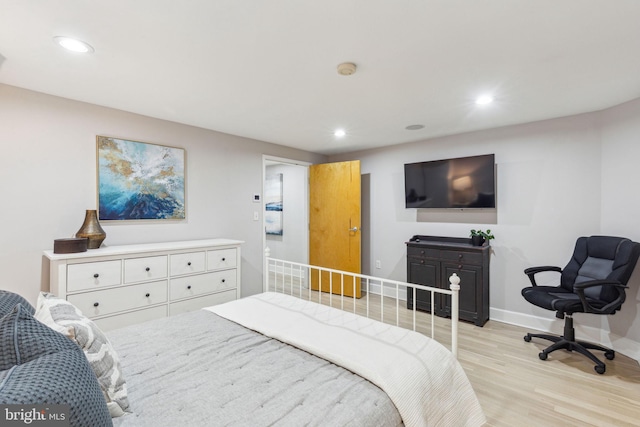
[[139, 181]]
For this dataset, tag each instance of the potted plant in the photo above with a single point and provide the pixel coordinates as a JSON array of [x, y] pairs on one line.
[[478, 237]]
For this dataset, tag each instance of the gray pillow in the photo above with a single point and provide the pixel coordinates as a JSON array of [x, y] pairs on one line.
[[8, 300], [23, 338], [50, 369]]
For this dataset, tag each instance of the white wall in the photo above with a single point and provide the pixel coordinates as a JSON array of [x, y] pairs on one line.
[[620, 132], [48, 179], [556, 180]]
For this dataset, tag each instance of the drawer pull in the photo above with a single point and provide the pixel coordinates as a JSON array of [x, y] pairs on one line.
[[147, 295], [147, 269], [188, 286], [224, 259], [95, 304], [95, 276], [189, 263], [224, 280]]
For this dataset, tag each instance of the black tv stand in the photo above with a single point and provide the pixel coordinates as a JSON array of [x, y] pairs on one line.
[[430, 262]]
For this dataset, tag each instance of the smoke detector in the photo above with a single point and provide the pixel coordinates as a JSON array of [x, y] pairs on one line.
[[346, 68]]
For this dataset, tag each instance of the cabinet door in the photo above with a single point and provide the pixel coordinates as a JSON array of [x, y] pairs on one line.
[[422, 272], [470, 290]]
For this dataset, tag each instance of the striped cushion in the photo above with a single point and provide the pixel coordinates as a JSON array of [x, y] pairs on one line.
[[62, 316]]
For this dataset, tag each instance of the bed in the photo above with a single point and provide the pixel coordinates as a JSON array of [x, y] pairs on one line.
[[292, 356]]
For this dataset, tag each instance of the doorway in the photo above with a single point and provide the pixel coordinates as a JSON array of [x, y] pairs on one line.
[[287, 232], [289, 238]]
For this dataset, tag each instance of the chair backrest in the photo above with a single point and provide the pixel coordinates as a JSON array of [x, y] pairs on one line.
[[599, 258]]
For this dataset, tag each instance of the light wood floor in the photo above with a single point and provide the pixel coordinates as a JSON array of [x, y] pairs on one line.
[[515, 387]]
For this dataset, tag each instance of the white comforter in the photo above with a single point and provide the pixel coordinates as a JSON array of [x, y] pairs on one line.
[[422, 378]]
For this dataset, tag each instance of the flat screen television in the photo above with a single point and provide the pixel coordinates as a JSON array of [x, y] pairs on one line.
[[465, 182]]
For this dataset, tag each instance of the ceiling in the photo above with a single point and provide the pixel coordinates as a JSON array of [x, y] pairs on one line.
[[267, 69]]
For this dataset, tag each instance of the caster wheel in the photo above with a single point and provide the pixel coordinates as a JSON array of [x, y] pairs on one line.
[[542, 356], [600, 369], [527, 338], [609, 355]]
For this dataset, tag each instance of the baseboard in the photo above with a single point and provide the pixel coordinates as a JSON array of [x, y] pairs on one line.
[[375, 288], [279, 269], [620, 344]]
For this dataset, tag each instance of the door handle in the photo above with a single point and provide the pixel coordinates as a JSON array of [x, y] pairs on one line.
[[354, 229]]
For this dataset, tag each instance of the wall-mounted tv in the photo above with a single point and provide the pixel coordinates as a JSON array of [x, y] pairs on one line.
[[465, 182]]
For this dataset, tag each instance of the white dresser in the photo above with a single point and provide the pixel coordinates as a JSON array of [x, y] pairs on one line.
[[121, 285]]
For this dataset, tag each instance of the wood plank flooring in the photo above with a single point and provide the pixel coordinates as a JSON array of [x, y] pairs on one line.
[[514, 386]]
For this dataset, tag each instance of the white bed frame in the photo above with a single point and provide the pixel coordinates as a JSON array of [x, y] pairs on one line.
[[292, 278]]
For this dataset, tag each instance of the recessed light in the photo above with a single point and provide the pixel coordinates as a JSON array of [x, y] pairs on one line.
[[339, 133], [484, 100], [73, 45], [414, 127]]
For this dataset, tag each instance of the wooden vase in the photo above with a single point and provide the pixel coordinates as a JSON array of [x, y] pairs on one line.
[[92, 230]]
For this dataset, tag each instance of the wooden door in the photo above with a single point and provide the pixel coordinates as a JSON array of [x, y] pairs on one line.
[[334, 225]]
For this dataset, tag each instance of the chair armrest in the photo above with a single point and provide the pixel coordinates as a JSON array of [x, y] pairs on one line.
[[532, 271], [610, 307]]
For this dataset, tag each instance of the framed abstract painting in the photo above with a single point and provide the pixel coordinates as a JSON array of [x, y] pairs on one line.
[[140, 181]]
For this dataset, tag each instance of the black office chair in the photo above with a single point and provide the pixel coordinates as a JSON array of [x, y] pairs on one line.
[[594, 281]]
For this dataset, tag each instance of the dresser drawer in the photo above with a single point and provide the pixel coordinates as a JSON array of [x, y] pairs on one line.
[[462, 257], [201, 302], [148, 268], [108, 301], [186, 263], [92, 275], [131, 318], [221, 259], [185, 287], [422, 252]]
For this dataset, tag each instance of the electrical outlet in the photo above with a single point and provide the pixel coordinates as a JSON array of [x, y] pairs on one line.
[[378, 264]]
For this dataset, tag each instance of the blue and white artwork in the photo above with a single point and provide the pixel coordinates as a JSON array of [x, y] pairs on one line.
[[273, 204], [137, 180]]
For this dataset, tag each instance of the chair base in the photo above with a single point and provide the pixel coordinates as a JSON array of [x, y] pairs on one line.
[[569, 343]]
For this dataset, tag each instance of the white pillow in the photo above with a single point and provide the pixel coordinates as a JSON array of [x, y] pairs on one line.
[[62, 316]]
